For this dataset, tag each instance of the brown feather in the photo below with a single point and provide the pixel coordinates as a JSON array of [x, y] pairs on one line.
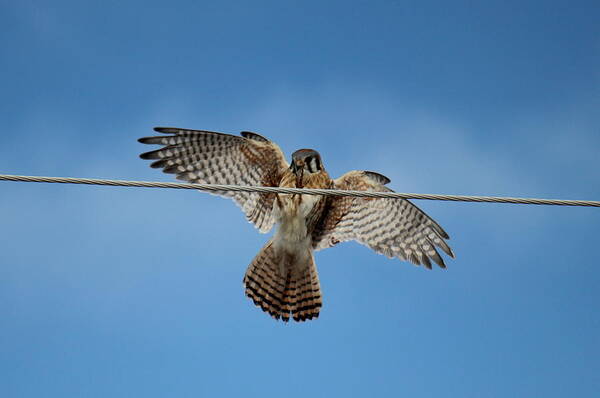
[[296, 292], [393, 227], [208, 157]]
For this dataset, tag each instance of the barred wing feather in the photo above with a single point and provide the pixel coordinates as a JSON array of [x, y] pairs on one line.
[[208, 157], [393, 227]]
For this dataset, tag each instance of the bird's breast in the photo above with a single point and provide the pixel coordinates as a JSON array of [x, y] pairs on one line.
[[295, 212], [292, 234]]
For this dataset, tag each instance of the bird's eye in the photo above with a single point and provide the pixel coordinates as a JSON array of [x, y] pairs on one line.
[[309, 164], [313, 164]]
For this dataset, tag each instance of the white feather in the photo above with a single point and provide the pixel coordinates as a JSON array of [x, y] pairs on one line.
[[291, 239]]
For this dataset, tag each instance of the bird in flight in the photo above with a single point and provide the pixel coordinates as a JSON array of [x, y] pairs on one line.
[[282, 279]]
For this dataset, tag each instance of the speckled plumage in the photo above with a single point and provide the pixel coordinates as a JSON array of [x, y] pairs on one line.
[[283, 279]]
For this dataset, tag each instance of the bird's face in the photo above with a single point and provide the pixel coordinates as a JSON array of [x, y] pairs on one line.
[[305, 162]]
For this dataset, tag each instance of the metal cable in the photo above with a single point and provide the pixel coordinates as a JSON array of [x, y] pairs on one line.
[[326, 192]]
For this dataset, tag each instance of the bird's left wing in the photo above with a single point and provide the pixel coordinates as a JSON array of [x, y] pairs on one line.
[[208, 157], [394, 227]]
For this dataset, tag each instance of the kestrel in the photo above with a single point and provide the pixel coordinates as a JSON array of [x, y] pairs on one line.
[[282, 279]]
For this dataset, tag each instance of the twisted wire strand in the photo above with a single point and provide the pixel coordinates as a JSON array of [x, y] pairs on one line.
[[325, 192]]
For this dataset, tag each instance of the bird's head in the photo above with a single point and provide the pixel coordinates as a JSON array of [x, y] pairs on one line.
[[305, 161]]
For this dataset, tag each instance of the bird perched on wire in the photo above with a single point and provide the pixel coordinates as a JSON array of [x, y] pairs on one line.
[[282, 279]]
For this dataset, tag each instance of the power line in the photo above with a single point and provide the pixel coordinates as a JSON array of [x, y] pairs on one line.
[[325, 192]]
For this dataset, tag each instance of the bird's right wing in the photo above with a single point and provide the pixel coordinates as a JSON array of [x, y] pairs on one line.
[[208, 157], [394, 227]]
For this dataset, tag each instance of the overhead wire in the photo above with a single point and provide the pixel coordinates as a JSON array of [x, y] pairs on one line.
[[216, 188]]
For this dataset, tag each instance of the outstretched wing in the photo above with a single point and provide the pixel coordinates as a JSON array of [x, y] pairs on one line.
[[394, 227], [207, 157]]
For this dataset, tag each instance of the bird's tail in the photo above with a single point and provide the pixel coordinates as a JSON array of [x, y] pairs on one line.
[[282, 284]]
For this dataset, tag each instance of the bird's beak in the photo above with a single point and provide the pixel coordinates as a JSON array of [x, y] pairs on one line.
[[299, 171], [299, 178]]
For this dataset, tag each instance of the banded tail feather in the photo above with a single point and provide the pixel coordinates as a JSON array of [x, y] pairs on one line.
[[283, 288]]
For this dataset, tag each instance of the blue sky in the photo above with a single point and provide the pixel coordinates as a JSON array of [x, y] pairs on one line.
[[120, 292]]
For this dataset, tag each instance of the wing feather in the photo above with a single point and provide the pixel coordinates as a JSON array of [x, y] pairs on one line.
[[208, 157], [393, 227]]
